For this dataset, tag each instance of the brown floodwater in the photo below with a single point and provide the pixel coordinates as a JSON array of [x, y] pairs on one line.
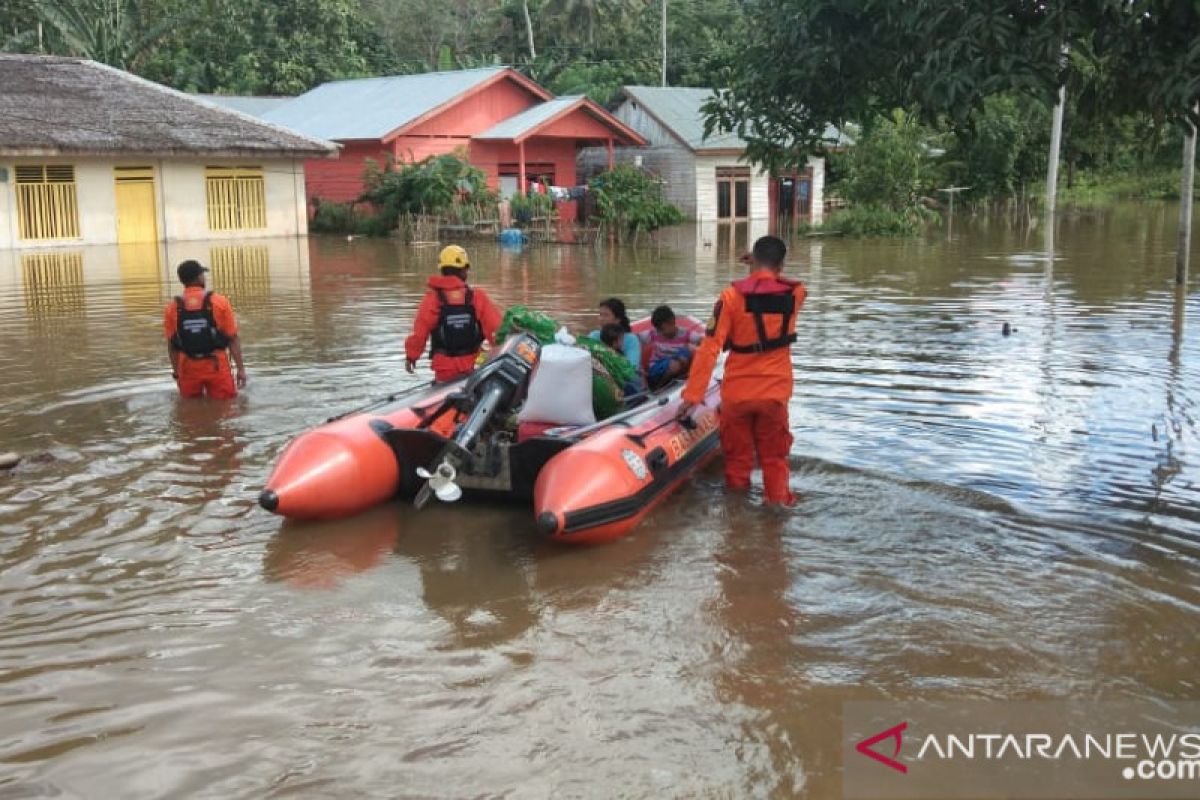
[[981, 516]]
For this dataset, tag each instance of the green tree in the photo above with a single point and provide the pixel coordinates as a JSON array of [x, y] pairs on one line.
[[430, 186], [890, 164], [849, 59], [631, 201], [115, 32], [272, 47]]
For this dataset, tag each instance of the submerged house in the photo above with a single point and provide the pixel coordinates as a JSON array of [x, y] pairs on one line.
[[705, 175], [93, 155], [505, 124]]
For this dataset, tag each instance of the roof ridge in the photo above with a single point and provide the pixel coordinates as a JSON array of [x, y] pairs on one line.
[[500, 68]]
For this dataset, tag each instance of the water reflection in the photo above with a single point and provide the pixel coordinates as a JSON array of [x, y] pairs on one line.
[[53, 284], [983, 516], [142, 278]]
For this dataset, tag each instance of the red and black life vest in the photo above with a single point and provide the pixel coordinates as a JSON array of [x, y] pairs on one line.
[[765, 297], [458, 331], [196, 332]]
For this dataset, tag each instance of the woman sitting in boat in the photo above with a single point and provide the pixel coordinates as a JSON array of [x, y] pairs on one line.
[[612, 312]]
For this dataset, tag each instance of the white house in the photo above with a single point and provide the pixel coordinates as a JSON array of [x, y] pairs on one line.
[[705, 176], [91, 155]]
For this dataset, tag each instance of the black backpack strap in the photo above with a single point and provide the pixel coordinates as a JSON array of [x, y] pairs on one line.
[[760, 305]]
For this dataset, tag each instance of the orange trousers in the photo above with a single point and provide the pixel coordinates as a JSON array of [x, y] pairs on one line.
[[758, 427], [200, 375]]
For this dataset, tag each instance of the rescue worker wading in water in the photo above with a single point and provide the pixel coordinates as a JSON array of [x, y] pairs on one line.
[[755, 320], [457, 317], [202, 334]]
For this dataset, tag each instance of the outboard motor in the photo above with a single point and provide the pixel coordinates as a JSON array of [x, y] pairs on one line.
[[491, 391]]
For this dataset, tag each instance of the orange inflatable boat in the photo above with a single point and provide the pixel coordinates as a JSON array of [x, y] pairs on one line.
[[587, 484]]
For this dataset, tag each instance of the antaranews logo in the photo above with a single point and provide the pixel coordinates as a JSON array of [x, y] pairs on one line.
[[896, 732], [1052, 749]]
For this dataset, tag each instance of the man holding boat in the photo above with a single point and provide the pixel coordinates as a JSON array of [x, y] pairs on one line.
[[755, 321]]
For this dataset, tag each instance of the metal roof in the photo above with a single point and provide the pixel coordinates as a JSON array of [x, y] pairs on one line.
[[679, 109], [255, 106], [517, 126], [371, 108], [55, 105]]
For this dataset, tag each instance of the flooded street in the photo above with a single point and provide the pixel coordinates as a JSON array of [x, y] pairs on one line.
[[981, 516]]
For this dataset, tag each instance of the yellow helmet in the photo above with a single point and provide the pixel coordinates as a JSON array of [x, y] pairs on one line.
[[454, 257]]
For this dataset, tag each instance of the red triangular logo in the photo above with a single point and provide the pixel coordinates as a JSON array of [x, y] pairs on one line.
[[896, 732]]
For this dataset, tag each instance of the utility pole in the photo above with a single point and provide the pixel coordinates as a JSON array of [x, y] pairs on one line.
[[664, 42], [1055, 146], [1185, 206]]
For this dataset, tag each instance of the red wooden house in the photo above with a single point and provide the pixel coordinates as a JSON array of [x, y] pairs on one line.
[[509, 126]]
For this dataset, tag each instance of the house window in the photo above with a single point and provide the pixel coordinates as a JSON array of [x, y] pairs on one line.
[[540, 173], [236, 198], [47, 203], [733, 192]]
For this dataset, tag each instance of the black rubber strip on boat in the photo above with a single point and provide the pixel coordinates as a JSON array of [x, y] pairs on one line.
[[617, 510]]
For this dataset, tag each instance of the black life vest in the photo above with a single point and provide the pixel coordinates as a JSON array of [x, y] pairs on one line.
[[458, 331], [777, 297], [196, 332]]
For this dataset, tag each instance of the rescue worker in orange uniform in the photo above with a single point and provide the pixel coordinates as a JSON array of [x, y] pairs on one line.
[[755, 321], [202, 334], [457, 317]]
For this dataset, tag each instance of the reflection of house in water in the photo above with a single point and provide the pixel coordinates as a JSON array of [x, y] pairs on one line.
[[141, 277], [243, 272], [53, 284], [137, 280]]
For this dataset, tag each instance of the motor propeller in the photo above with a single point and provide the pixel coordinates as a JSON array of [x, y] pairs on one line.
[[441, 482], [490, 392]]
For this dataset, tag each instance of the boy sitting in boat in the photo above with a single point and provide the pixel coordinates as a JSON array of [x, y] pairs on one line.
[[614, 335], [671, 348]]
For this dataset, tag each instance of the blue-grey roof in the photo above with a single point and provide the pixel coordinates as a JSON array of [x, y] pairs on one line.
[[679, 109], [247, 104], [527, 120], [371, 108]]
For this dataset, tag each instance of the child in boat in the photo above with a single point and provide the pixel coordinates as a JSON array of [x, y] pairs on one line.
[[614, 335], [612, 311], [671, 349]]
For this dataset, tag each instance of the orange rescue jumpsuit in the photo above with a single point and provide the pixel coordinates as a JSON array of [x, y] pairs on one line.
[[194, 376], [758, 379], [446, 367]]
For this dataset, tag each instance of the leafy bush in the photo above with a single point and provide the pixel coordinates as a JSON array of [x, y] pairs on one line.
[[347, 218], [527, 206], [631, 200], [878, 221], [1102, 188], [434, 185], [333, 218]]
